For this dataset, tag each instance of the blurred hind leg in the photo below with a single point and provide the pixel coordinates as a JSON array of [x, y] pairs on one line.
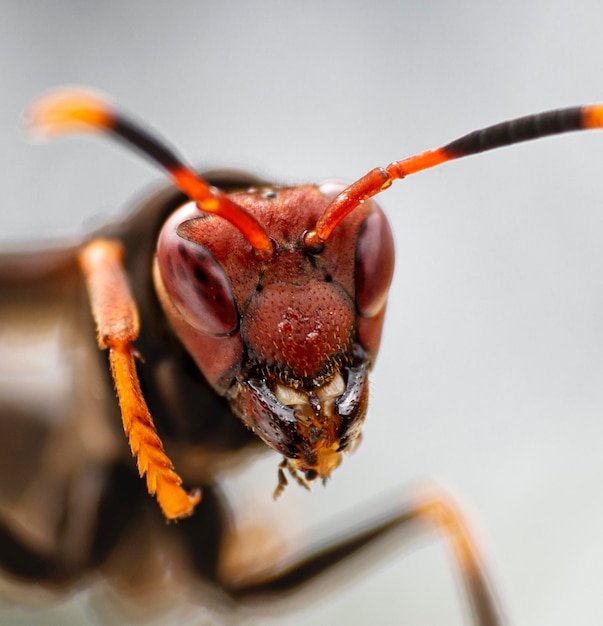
[[433, 510]]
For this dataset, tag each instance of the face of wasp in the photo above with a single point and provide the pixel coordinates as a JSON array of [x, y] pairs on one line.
[[290, 341]]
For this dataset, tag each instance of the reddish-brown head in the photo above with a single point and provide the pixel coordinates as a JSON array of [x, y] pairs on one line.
[[289, 341]]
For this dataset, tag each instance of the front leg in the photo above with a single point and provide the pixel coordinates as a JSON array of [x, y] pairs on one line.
[[116, 317]]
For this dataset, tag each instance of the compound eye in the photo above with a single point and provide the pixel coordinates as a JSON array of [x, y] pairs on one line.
[[197, 284], [374, 263]]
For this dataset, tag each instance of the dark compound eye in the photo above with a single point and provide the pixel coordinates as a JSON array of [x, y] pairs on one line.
[[374, 264], [197, 285]]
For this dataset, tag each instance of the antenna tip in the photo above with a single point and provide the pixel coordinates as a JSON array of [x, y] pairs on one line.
[[67, 110], [593, 116]]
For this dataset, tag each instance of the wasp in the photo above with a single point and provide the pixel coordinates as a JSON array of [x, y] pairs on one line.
[[236, 315]]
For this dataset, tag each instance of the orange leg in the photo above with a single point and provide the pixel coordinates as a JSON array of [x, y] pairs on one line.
[[431, 509], [116, 318]]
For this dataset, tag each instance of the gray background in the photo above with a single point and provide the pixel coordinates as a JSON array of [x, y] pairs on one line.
[[490, 373]]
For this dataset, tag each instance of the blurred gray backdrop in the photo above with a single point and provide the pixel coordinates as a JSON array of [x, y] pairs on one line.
[[490, 373]]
